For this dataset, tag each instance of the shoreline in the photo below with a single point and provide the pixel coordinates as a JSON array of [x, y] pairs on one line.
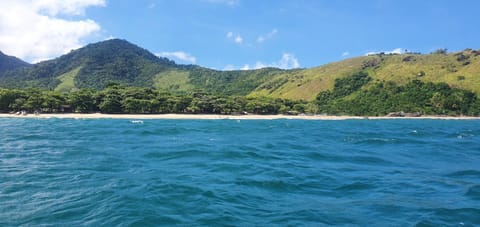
[[221, 117]]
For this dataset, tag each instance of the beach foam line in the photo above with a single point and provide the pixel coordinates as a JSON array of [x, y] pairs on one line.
[[222, 117]]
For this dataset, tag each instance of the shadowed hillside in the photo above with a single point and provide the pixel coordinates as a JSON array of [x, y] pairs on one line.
[[10, 63]]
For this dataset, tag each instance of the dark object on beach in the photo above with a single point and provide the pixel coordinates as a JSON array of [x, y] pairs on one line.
[[403, 114]]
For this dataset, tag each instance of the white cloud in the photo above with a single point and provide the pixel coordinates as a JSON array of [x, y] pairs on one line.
[[345, 54], [109, 38], [229, 67], [237, 38], [245, 67], [394, 51], [287, 61], [65, 7], [179, 55], [260, 65], [267, 36], [33, 29]]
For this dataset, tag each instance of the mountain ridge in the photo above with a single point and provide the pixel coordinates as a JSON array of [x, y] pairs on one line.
[[8, 63], [98, 64]]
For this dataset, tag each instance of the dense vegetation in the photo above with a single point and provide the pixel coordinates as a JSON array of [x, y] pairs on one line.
[[381, 98], [352, 95], [8, 63], [96, 65], [119, 99], [115, 76], [237, 82]]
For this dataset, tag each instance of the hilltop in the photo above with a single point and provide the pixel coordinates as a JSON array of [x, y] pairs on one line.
[[459, 70], [8, 63], [96, 65], [93, 66]]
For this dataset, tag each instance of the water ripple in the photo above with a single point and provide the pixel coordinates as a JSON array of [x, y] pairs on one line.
[[249, 173]]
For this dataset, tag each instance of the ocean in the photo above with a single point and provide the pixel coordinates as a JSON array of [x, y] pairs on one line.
[[120, 172]]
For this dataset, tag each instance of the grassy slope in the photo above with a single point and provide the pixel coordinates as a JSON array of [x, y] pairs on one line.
[[306, 84], [176, 80], [67, 81], [437, 68]]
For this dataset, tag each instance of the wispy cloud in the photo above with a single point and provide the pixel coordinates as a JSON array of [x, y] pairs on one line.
[[287, 61], [345, 54], [60, 7], [394, 51], [229, 67], [39, 30], [263, 38], [109, 38], [179, 55], [237, 38], [245, 67]]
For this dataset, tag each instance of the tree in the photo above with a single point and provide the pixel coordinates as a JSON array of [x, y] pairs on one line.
[[440, 51], [82, 100], [52, 101], [7, 98], [111, 101], [34, 100]]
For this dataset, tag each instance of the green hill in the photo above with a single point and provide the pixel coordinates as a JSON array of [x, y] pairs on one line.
[[459, 70], [8, 63], [93, 66], [97, 65]]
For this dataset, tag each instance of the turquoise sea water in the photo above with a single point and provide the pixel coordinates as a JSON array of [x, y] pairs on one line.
[[67, 172]]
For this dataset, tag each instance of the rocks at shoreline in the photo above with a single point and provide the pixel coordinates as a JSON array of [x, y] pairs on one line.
[[403, 114]]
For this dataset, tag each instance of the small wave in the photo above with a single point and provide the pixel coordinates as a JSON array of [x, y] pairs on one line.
[[464, 135], [170, 155], [311, 217], [356, 186], [369, 160], [136, 121], [370, 141], [452, 217], [465, 173], [474, 192], [273, 185]]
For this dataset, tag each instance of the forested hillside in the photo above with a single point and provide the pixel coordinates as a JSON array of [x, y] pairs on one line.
[[8, 63], [435, 83], [93, 66]]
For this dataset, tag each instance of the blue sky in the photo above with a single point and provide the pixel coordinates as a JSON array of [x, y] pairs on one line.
[[236, 34]]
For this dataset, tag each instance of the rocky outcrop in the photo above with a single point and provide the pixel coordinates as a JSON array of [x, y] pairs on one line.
[[403, 114]]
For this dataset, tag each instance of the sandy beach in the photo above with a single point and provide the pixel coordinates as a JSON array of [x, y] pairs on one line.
[[220, 117]]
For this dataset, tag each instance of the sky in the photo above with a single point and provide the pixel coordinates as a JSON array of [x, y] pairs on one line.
[[240, 34]]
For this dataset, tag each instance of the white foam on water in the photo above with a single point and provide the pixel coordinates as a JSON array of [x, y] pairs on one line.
[[136, 121]]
